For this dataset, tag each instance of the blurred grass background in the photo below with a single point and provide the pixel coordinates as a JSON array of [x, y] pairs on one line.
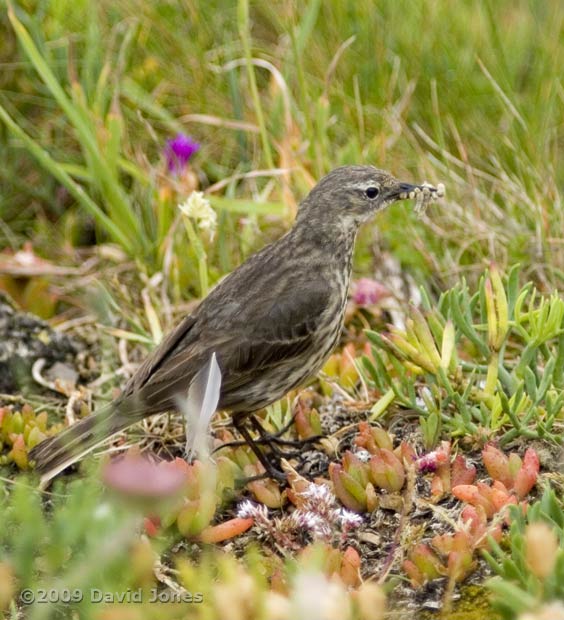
[[469, 94]]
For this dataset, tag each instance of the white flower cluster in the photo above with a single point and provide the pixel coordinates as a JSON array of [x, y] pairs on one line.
[[301, 520], [198, 208], [322, 502], [320, 516]]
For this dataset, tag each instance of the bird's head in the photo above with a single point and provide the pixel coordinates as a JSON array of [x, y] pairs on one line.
[[350, 195]]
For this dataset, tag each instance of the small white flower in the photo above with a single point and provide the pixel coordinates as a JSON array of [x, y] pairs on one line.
[[258, 512], [363, 455], [348, 518], [315, 524], [245, 509], [319, 494], [198, 208]]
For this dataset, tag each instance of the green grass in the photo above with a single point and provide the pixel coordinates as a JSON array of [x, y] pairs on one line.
[[470, 95]]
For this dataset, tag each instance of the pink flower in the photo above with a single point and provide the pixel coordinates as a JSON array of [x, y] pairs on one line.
[[136, 476], [367, 292]]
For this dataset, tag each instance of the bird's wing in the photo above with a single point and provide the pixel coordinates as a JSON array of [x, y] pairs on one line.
[[246, 345], [283, 333]]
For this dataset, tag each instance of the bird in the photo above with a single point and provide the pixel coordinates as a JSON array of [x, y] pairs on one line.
[[271, 323]]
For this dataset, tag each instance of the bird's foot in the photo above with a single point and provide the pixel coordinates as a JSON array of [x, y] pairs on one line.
[[270, 470], [274, 473], [270, 439]]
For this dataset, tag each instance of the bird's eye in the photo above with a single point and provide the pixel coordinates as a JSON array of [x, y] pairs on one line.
[[372, 192]]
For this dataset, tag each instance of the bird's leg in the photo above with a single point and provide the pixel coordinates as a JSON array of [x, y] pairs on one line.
[[276, 438], [273, 442], [241, 483], [269, 438], [239, 424], [272, 436]]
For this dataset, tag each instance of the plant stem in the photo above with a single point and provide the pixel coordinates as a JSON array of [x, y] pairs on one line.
[[244, 32], [201, 255]]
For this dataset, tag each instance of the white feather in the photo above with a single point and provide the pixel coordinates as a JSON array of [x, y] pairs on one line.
[[199, 407]]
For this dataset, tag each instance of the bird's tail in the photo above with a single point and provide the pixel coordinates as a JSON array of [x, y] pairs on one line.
[[57, 453]]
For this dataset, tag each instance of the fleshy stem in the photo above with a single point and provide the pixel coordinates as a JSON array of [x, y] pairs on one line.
[[201, 255]]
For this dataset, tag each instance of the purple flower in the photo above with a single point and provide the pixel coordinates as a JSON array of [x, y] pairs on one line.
[[367, 292], [427, 464], [178, 152], [430, 462]]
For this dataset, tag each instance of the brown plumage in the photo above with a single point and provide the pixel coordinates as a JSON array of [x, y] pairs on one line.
[[272, 322]]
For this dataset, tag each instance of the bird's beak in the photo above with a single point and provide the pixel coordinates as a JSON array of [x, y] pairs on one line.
[[401, 191]]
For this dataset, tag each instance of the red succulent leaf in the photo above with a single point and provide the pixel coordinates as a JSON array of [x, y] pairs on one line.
[[372, 437], [266, 491], [415, 575], [461, 472], [474, 515], [226, 530], [407, 453], [475, 495], [459, 564], [355, 468], [500, 496], [514, 463], [350, 568], [426, 561], [437, 487], [18, 453], [386, 470], [497, 465], [151, 525], [526, 477]]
